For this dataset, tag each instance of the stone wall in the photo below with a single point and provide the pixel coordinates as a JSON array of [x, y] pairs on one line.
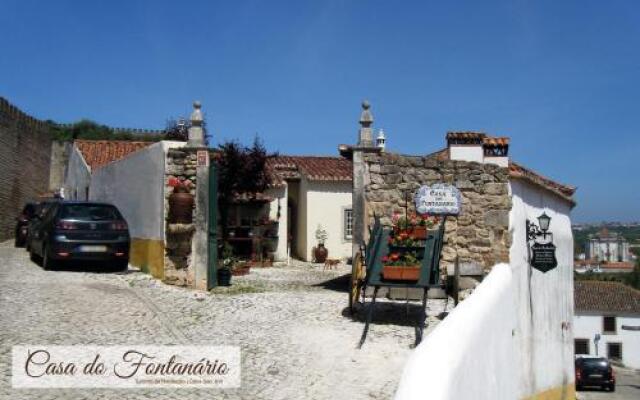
[[479, 236], [178, 261], [25, 153]]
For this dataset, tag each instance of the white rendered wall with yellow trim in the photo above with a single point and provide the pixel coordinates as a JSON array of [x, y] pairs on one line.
[[135, 184], [512, 338]]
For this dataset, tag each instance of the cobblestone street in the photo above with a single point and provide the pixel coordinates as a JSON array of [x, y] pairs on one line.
[[291, 323]]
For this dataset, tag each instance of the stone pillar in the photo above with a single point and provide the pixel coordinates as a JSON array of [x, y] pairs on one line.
[[200, 245], [365, 145], [358, 204], [196, 133]]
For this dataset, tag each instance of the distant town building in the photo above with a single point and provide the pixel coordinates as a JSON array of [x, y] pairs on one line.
[[607, 246], [606, 321]]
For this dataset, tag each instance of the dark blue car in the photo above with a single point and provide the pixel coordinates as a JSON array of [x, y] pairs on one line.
[[73, 230]]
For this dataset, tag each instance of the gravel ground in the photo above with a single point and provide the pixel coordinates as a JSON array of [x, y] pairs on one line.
[[291, 322]]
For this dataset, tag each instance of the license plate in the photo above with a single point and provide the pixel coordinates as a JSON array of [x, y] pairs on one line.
[[93, 249], [595, 376]]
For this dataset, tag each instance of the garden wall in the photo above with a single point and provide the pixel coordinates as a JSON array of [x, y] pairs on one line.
[[513, 337], [479, 236], [178, 253], [25, 154]]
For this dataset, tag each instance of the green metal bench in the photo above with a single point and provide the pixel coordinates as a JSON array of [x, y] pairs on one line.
[[429, 276]]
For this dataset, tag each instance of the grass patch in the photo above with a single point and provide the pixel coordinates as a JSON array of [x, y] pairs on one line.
[[238, 288]]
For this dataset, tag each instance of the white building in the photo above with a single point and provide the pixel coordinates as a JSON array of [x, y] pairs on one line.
[[608, 246], [310, 192], [606, 314]]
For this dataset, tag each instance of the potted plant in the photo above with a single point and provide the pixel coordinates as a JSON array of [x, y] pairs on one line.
[[423, 224], [180, 201], [401, 266], [415, 225], [226, 267], [320, 252]]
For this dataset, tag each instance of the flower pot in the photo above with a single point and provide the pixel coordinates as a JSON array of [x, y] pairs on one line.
[[224, 277], [180, 206], [401, 272], [320, 253], [419, 232], [241, 270]]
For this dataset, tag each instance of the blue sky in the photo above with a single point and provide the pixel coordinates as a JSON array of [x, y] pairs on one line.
[[562, 79]]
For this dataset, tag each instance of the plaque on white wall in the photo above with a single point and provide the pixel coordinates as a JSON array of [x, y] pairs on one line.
[[440, 198]]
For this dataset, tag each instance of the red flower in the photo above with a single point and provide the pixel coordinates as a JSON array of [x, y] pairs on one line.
[[394, 256], [173, 182], [385, 259]]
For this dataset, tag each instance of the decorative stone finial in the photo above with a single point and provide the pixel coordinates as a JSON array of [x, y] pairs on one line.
[[365, 138], [196, 134], [366, 118], [196, 115]]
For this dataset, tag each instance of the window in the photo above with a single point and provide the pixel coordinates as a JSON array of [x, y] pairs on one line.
[[581, 346], [348, 223], [614, 351], [609, 325]]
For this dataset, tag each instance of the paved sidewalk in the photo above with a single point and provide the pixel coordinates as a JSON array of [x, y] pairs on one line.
[[297, 339]]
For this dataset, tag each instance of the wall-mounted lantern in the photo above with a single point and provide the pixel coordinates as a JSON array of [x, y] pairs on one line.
[[542, 255], [541, 229]]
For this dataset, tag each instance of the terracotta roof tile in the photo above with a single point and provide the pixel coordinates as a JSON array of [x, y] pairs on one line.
[[617, 265], [518, 171], [313, 168], [495, 141], [98, 153], [608, 297], [465, 137]]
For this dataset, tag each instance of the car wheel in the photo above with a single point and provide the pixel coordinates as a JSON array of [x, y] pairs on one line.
[[121, 265], [32, 255], [47, 262], [18, 242], [612, 388], [578, 387]]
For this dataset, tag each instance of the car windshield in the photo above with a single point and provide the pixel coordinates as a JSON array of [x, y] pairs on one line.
[[90, 212], [595, 362]]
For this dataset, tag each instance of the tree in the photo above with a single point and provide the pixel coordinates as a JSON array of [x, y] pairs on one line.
[[241, 171], [633, 278], [90, 130]]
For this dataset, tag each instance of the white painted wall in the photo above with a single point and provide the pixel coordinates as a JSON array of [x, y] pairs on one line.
[[472, 353], [280, 201], [586, 326], [466, 153], [501, 161], [545, 300], [135, 184], [77, 176], [512, 338], [325, 204]]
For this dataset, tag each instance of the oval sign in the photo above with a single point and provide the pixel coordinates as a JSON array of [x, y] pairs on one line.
[[440, 198]]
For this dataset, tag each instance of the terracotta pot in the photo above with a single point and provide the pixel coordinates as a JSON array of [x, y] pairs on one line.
[[180, 206], [320, 253], [242, 270], [401, 272], [419, 232]]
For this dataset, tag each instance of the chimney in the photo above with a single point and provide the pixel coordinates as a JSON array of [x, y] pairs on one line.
[[381, 140]]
